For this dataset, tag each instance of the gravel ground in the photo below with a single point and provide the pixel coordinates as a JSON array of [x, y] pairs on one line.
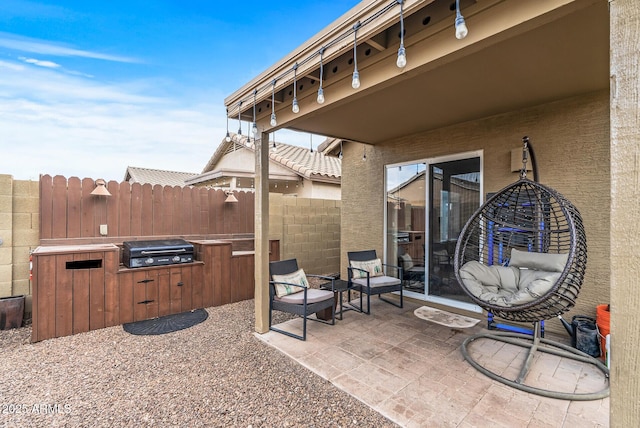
[[216, 373]]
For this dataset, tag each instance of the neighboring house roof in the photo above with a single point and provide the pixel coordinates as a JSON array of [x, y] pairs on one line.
[[315, 166], [136, 174]]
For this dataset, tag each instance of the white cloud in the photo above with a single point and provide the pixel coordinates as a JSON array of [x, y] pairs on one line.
[[39, 63], [52, 123], [26, 44], [11, 65]]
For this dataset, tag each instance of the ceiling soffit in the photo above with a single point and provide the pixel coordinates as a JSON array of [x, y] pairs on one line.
[[517, 54]]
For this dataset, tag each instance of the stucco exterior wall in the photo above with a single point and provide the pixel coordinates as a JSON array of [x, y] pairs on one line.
[[318, 190], [571, 142]]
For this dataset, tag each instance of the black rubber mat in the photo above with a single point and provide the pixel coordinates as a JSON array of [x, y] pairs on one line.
[[166, 324]]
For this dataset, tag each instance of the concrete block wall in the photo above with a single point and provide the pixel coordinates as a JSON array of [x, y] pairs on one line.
[[308, 230], [19, 232], [6, 235]]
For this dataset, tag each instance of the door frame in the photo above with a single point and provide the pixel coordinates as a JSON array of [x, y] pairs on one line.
[[427, 162]]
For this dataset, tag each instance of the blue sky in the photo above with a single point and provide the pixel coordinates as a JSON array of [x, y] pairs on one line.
[[88, 88]]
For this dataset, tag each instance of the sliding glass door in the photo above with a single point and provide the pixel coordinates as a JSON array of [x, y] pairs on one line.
[[428, 203], [406, 215]]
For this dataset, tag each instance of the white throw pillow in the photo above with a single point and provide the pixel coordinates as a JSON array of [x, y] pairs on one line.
[[374, 267], [297, 277]]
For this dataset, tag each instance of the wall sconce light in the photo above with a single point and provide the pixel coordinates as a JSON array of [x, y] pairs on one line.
[[101, 188], [230, 197]]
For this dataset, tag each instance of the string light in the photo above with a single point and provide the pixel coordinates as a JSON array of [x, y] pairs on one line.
[[320, 98], [461, 32], [461, 27], [273, 121], [355, 82], [311, 142], [228, 137], [364, 153], [273, 147], [254, 127], [340, 154], [239, 122], [402, 56], [295, 107]]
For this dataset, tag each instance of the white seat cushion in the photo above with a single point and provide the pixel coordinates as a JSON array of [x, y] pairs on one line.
[[377, 281], [313, 296], [506, 286]]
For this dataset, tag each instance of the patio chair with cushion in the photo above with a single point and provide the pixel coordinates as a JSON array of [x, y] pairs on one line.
[[289, 292], [367, 275], [412, 272]]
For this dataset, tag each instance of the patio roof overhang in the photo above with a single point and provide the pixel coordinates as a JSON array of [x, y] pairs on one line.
[[517, 54]]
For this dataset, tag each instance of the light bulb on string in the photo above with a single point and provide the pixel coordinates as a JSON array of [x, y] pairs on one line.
[[254, 127], [320, 98], [273, 121], [294, 106], [239, 118], [461, 27], [227, 138], [355, 81], [401, 62]]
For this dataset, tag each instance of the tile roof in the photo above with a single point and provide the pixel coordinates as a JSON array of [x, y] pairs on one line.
[[315, 166], [136, 174]]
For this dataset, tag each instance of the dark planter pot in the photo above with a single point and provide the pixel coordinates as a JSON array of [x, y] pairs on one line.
[[11, 312]]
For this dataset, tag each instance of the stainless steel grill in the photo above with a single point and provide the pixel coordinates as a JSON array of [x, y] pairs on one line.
[[156, 253]]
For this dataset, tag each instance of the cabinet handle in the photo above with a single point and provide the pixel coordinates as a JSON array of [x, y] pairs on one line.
[[180, 284], [144, 302], [144, 281]]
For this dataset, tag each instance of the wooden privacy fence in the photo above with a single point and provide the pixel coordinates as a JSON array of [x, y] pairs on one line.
[[68, 210]]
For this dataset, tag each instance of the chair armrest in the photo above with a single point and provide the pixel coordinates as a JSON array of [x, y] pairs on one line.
[[400, 269], [328, 278]]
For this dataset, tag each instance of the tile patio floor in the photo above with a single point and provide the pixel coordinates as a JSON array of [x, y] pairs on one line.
[[412, 371]]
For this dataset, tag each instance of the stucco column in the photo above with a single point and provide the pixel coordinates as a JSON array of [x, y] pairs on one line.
[[625, 206], [262, 234]]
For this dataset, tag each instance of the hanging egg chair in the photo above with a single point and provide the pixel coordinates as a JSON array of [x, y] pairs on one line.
[[522, 257]]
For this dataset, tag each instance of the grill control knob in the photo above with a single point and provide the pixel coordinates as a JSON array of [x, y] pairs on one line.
[[149, 260], [176, 259]]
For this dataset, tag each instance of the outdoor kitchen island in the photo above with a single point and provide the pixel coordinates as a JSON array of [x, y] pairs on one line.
[[78, 288]]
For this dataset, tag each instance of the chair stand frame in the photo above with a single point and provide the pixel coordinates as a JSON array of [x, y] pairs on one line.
[[307, 310], [361, 290], [534, 344]]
